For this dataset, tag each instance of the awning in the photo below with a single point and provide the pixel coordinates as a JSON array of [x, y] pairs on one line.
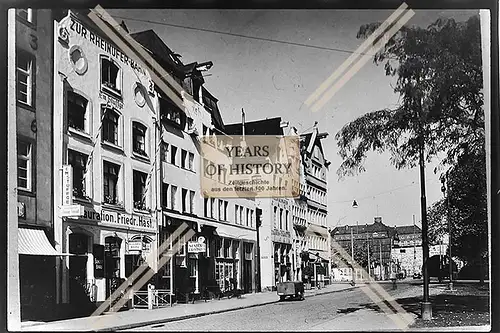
[[34, 242]]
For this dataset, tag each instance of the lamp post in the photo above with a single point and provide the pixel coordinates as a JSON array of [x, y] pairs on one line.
[[446, 194], [354, 205]]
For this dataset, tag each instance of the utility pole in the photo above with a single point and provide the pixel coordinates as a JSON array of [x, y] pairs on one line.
[[450, 263], [414, 249], [352, 258], [380, 258], [368, 251]]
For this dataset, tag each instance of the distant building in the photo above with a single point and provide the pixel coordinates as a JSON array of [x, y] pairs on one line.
[[377, 237], [408, 253]]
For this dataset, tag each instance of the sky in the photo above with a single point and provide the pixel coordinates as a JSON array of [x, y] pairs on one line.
[[273, 77]]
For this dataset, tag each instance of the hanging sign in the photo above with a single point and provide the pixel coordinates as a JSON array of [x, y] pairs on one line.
[[195, 247], [98, 261], [71, 211], [67, 185], [135, 246]]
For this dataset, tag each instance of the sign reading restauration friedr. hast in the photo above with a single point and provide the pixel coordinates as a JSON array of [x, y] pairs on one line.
[[255, 166]]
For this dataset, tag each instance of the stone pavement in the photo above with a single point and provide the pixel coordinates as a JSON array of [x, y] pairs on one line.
[[141, 317]]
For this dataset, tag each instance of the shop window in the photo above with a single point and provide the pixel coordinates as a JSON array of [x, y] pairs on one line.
[[110, 76], [27, 15], [235, 249], [193, 267], [218, 248], [78, 161], [248, 249], [139, 138], [25, 63], [77, 112], [111, 173], [227, 248], [191, 201], [110, 126], [140, 190], [24, 165], [112, 257]]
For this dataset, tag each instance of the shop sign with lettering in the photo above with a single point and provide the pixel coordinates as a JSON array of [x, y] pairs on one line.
[[67, 185], [135, 246], [281, 236], [119, 220], [195, 247], [98, 261], [111, 101]]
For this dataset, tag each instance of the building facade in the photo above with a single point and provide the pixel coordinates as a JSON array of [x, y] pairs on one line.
[[227, 227], [104, 153], [30, 54], [312, 242]]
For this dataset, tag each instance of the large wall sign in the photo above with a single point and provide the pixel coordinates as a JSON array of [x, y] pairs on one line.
[[119, 220], [67, 185]]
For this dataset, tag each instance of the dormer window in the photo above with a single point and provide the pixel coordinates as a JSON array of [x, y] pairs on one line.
[[110, 76], [172, 114]]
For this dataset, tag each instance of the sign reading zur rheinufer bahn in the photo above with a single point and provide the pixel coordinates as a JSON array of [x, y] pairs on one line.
[[258, 166]]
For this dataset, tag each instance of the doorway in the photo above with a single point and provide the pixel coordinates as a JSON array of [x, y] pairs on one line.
[[78, 245], [112, 264]]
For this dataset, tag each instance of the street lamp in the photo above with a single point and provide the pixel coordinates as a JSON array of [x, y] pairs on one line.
[[354, 205]]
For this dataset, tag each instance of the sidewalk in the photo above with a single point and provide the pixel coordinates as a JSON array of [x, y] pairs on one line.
[[141, 317]]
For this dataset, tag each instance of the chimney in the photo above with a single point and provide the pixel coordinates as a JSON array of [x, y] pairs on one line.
[[377, 219]]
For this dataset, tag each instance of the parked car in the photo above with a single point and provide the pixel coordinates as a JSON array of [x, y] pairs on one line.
[[417, 275], [433, 267]]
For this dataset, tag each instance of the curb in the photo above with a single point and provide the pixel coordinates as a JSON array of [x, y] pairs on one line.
[[196, 315]]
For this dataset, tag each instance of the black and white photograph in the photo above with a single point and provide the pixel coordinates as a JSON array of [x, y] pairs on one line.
[[256, 169]]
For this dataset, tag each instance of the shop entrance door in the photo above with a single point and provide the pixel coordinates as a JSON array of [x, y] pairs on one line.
[[78, 244], [247, 276], [112, 264]]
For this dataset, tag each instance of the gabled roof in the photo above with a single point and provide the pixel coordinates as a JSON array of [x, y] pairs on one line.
[[271, 126], [215, 112]]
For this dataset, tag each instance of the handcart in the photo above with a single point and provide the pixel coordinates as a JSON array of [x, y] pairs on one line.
[[293, 289]]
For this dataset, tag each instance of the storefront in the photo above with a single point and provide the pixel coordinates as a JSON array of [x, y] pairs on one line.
[[283, 255], [210, 258], [107, 246]]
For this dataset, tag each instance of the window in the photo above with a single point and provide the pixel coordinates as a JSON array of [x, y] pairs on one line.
[[139, 138], [247, 217], [191, 202], [110, 76], [213, 207], [164, 152], [110, 127], [251, 218], [286, 220], [164, 195], [226, 203], [79, 163], [25, 65], [191, 162], [227, 248], [173, 155], [172, 114], [140, 190], [281, 218], [221, 209], [218, 247], [111, 172], [184, 200], [173, 194], [275, 218], [205, 207], [183, 158], [236, 214], [24, 165], [26, 14], [77, 111]]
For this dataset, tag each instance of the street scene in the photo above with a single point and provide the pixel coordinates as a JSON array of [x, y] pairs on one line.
[[252, 170]]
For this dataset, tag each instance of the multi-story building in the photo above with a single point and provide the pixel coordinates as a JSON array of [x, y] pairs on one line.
[[105, 119], [226, 226], [29, 82], [275, 233], [376, 241], [408, 251], [310, 211]]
